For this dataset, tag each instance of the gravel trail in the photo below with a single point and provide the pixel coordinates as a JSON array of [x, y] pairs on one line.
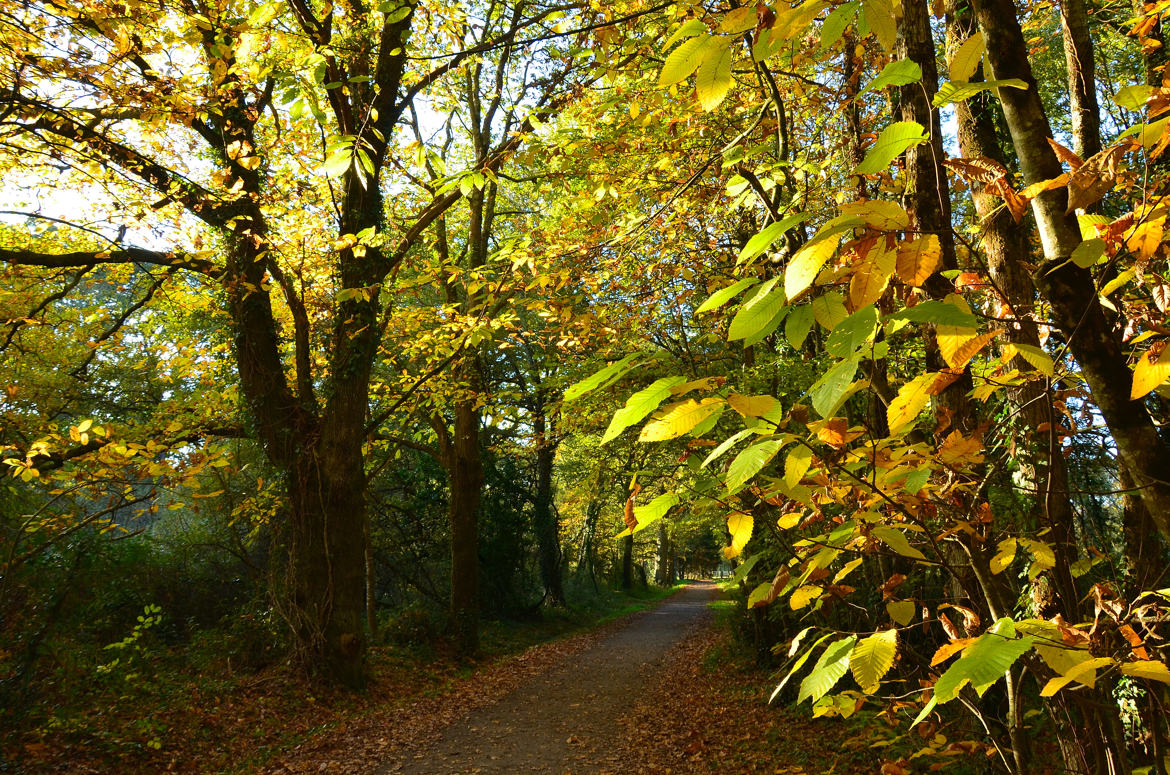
[[565, 720]]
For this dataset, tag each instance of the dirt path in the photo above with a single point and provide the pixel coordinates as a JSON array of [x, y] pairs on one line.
[[658, 694], [565, 720]]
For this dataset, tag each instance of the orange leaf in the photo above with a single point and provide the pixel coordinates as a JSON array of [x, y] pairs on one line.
[[918, 259], [948, 650]]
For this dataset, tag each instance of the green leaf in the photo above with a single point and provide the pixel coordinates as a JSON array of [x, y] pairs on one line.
[[872, 658], [899, 73], [756, 312], [957, 91], [767, 328], [609, 374], [896, 540], [724, 295], [853, 333], [687, 30], [940, 313], [762, 241], [1037, 359], [880, 19], [639, 405], [799, 663], [829, 391], [651, 512], [749, 462], [1088, 253], [1134, 97], [901, 611], [893, 141], [835, 23], [727, 444], [797, 325], [984, 662], [679, 418], [829, 310], [683, 61], [339, 162], [741, 572], [833, 664], [714, 78]]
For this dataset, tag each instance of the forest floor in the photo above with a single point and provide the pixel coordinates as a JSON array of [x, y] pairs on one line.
[[664, 690], [651, 694]]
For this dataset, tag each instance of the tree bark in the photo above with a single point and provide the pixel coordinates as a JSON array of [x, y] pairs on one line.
[[465, 470], [544, 515], [1069, 289], [1082, 78]]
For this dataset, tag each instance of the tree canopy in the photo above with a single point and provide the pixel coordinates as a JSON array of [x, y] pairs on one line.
[[863, 302]]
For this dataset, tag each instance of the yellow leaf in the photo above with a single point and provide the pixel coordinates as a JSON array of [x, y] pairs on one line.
[[803, 596], [872, 658], [1148, 374], [829, 310], [948, 650], [957, 349], [872, 276], [790, 520], [910, 401], [1149, 669], [1003, 558], [752, 406], [797, 465], [740, 525], [1146, 237], [714, 77], [966, 58], [847, 569], [673, 421], [805, 265], [882, 22], [879, 214], [917, 259], [1083, 672], [1036, 189], [739, 20]]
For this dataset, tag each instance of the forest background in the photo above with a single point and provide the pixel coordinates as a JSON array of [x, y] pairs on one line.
[[330, 327]]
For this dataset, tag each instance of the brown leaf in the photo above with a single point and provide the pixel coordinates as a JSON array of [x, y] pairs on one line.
[[949, 627], [1065, 155], [892, 583], [1094, 179], [971, 619], [978, 168]]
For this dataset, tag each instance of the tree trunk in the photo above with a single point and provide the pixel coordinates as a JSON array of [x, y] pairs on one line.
[[371, 586], [465, 470], [1005, 245], [1069, 289], [327, 509], [928, 196], [544, 516], [1082, 78], [628, 563]]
